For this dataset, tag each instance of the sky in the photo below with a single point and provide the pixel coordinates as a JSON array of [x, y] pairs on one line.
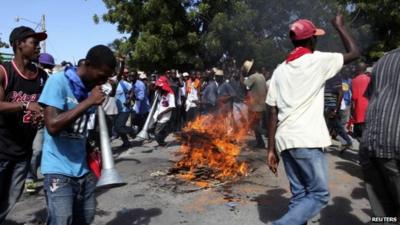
[[69, 25]]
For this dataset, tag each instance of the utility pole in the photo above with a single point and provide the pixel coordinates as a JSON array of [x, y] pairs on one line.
[[43, 22]]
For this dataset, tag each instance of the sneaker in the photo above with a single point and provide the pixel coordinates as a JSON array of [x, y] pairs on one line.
[[162, 144], [30, 187], [126, 145]]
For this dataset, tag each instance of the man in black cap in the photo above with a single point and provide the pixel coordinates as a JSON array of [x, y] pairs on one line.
[[21, 83]]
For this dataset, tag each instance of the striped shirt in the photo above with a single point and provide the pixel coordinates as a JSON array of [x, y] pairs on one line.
[[381, 138]]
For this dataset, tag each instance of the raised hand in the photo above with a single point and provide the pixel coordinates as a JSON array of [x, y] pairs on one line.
[[338, 21]]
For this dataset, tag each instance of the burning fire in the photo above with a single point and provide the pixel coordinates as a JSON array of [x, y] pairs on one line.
[[210, 147]]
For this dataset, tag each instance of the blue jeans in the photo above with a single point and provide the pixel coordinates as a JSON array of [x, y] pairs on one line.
[[121, 128], [70, 200], [307, 171], [334, 123], [12, 180], [36, 155]]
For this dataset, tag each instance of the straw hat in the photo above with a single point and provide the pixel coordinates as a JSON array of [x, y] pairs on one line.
[[247, 65], [219, 72]]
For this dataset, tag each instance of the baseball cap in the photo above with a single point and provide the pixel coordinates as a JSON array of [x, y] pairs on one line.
[[303, 29], [22, 32], [185, 74], [46, 58]]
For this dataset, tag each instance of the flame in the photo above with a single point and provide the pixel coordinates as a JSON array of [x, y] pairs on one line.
[[211, 144]]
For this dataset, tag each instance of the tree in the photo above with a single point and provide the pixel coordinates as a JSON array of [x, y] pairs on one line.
[[379, 22], [3, 45], [198, 33], [161, 34], [258, 29]]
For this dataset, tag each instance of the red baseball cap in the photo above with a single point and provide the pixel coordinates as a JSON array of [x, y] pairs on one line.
[[303, 29]]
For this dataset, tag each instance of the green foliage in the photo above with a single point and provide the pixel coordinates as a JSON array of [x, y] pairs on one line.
[[3, 44], [161, 34], [187, 34], [381, 22]]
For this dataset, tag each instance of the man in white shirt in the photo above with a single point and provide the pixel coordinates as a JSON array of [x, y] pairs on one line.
[[297, 129], [162, 115]]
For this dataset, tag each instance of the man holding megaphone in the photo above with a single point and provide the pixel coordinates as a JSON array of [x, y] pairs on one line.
[[68, 98]]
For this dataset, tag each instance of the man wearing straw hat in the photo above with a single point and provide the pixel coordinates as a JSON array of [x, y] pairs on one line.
[[257, 92], [297, 129]]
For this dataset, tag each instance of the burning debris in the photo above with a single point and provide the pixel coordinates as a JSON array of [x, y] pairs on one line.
[[210, 146]]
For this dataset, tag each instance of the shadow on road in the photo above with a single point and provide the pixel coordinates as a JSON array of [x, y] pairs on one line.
[[10, 222], [351, 168], [339, 213], [272, 205], [137, 216], [137, 161], [359, 192], [348, 155], [37, 218]]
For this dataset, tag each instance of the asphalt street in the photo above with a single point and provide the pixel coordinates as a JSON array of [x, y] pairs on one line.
[[154, 197]]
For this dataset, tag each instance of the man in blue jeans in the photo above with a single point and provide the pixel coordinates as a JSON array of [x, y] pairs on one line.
[[21, 83], [69, 185], [296, 126]]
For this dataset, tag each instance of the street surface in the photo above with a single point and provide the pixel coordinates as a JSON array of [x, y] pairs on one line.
[[152, 197]]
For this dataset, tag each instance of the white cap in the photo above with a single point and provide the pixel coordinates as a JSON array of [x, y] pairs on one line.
[[114, 78], [142, 76], [185, 74]]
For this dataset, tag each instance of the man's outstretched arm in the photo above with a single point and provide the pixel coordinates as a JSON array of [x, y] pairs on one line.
[[351, 47]]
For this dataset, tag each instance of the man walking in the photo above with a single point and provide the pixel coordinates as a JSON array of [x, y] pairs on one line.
[[380, 142], [210, 94], [360, 102], [68, 183], [257, 91], [142, 106], [46, 62], [297, 93], [21, 83], [124, 99], [163, 114]]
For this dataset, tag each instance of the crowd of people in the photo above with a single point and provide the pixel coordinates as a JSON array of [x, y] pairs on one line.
[[48, 116]]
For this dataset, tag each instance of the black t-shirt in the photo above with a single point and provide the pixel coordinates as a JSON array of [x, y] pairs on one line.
[[332, 89], [16, 131]]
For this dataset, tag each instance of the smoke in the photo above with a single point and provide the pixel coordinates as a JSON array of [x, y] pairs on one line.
[[269, 42]]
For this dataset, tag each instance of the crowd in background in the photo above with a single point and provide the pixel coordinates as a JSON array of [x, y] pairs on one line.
[[69, 93]]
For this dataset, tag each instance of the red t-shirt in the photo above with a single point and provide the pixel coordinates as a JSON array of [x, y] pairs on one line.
[[360, 103]]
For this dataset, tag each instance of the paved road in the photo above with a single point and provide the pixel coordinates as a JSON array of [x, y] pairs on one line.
[[151, 197]]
